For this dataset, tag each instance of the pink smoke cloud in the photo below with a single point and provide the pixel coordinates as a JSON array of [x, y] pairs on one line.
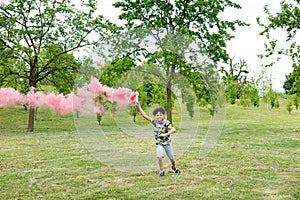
[[83, 100], [9, 97], [33, 99]]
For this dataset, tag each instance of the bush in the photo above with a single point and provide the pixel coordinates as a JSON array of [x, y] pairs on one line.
[[289, 107]]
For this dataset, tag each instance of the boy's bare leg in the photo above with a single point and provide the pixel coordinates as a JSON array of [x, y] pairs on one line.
[[160, 163], [176, 170], [173, 164]]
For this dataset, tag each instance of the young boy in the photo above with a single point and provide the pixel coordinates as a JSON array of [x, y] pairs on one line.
[[162, 135]]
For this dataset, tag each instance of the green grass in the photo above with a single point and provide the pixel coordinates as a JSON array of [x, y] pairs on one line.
[[257, 157]]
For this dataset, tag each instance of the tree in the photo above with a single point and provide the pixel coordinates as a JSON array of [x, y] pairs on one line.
[[39, 37], [189, 99], [173, 27], [288, 83], [286, 20], [273, 98], [254, 92], [289, 105], [296, 98], [250, 93], [295, 77], [261, 87], [235, 78]]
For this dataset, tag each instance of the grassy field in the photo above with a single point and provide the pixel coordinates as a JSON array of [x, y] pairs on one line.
[[256, 157]]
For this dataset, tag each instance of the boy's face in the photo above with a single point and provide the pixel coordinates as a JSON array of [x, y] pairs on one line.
[[159, 117]]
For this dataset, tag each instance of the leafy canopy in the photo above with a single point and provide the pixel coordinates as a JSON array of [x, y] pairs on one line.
[[40, 36], [287, 20], [196, 19]]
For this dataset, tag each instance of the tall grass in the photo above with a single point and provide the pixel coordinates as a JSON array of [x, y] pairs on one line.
[[257, 157]]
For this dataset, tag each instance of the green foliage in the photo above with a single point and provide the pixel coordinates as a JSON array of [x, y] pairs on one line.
[[154, 94], [133, 111], [292, 83], [273, 98], [288, 83], [63, 79], [198, 20], [231, 91], [296, 98], [288, 21], [206, 85], [293, 100], [295, 76], [189, 99], [115, 70], [250, 94], [264, 84], [235, 79], [195, 79], [255, 97], [289, 106]]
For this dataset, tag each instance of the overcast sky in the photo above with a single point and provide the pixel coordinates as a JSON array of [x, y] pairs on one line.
[[247, 43]]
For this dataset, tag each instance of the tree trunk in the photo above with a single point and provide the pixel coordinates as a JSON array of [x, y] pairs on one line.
[[32, 83], [169, 96], [170, 75], [25, 107]]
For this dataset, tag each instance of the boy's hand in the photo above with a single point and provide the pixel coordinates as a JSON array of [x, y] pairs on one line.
[[162, 135], [137, 103]]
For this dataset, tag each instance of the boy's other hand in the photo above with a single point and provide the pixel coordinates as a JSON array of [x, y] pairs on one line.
[[162, 135]]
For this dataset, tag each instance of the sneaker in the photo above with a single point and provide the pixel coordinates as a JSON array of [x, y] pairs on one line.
[[162, 173], [176, 170]]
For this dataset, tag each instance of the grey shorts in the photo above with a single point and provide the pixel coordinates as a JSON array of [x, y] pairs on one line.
[[161, 149]]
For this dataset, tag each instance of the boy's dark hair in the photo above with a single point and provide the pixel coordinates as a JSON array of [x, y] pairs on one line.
[[157, 110]]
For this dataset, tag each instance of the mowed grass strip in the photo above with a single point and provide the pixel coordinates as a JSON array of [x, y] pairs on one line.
[[256, 157]]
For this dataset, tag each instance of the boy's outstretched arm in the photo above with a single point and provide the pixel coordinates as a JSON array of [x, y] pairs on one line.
[[143, 112]]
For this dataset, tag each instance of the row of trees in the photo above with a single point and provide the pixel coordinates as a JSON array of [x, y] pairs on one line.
[[173, 45], [286, 20], [249, 91]]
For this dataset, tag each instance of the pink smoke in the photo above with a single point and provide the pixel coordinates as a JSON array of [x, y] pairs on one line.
[[76, 101], [95, 87], [9, 97], [122, 96], [59, 103], [99, 109], [33, 99], [83, 100]]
